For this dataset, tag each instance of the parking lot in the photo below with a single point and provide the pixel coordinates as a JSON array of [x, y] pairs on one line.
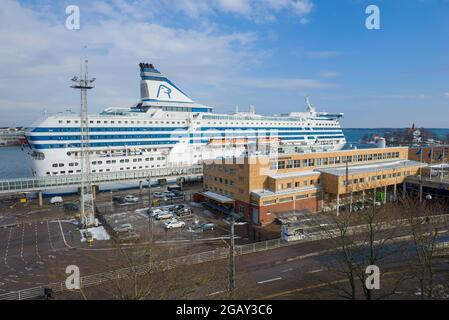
[[38, 243]]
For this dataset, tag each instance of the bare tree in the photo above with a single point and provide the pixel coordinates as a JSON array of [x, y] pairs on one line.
[[146, 272], [361, 239], [425, 220]]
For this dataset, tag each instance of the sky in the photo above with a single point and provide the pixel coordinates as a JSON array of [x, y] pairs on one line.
[[228, 53]]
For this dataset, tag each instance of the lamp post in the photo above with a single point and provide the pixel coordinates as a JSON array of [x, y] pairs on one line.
[[232, 257], [150, 217]]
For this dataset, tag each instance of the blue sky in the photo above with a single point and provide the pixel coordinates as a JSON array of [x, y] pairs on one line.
[[224, 53]]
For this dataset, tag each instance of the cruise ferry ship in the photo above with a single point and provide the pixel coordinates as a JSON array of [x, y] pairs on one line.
[[166, 129]]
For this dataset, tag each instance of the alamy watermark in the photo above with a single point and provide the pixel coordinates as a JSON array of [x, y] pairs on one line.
[[372, 22], [372, 281], [73, 22], [73, 282]]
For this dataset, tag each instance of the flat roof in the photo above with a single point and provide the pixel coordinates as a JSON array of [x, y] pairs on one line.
[[268, 193], [372, 167], [294, 174], [217, 197]]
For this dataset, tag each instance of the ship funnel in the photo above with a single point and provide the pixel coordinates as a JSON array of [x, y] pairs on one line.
[[310, 108], [155, 87]]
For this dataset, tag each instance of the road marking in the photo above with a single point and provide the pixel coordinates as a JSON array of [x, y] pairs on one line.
[[332, 283], [21, 247], [7, 248], [49, 236], [287, 270], [37, 249], [214, 293], [269, 280], [63, 236], [314, 271]]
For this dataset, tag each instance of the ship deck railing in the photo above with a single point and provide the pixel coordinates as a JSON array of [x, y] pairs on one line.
[[54, 182]]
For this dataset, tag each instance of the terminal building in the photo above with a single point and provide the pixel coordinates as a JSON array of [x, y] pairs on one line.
[[259, 187]]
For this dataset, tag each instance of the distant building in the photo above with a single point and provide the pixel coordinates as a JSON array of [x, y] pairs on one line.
[[11, 136]]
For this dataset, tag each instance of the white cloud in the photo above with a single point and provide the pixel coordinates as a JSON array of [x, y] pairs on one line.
[[259, 10], [38, 56]]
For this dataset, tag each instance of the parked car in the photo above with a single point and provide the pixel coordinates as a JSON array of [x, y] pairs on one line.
[[126, 227], [177, 207], [164, 216], [56, 200], [203, 227], [131, 198], [172, 224], [70, 207], [177, 193], [184, 212], [207, 226], [168, 194], [160, 196], [154, 212]]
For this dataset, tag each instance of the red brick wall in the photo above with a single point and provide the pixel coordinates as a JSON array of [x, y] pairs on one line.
[[247, 210], [267, 214], [198, 197]]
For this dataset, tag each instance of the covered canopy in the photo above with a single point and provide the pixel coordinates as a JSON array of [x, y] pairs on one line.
[[217, 197]]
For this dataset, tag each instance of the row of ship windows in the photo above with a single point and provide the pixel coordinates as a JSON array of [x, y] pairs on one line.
[[184, 135], [123, 151], [115, 129], [290, 123], [125, 121], [100, 162], [139, 143], [101, 170]]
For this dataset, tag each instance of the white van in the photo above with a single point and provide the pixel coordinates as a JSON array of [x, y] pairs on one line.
[[56, 200]]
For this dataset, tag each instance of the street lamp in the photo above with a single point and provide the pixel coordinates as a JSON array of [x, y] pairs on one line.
[[150, 218]]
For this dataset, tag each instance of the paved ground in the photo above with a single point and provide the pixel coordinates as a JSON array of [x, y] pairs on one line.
[[295, 272], [38, 243]]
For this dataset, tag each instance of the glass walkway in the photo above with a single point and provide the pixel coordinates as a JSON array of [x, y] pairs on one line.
[[54, 182]]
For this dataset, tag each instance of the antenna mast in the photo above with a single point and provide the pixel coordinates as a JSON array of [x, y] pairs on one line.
[[86, 200]]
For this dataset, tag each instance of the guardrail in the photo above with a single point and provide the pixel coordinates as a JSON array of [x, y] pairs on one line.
[[53, 182]]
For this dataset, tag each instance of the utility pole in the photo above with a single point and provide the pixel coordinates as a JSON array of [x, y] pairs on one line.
[[442, 165], [347, 185], [232, 257], [86, 200]]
